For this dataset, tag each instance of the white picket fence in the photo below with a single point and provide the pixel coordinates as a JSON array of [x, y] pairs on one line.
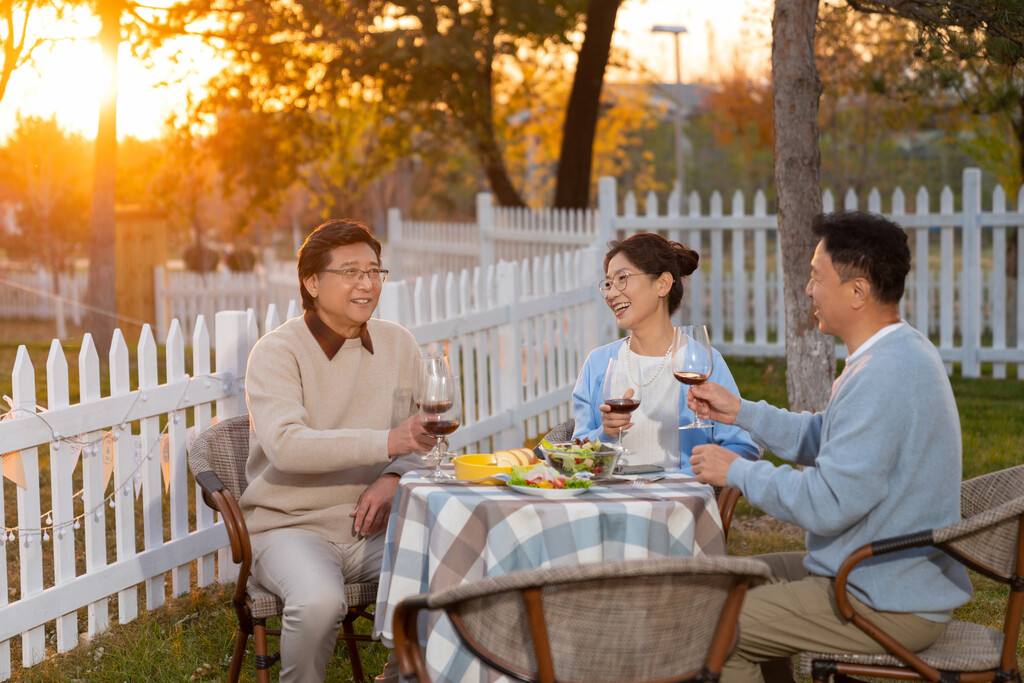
[[419, 248], [184, 295], [958, 290], [517, 331], [29, 295]]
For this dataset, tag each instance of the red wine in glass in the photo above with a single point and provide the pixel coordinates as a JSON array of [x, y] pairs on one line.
[[623, 405], [440, 426], [693, 361], [691, 378]]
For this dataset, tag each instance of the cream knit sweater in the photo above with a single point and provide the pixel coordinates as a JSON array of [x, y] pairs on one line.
[[320, 427]]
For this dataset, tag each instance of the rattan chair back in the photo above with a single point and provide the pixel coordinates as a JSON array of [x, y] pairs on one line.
[[634, 620], [562, 433], [223, 449], [990, 540]]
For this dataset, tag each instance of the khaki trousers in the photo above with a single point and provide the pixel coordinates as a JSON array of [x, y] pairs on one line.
[[309, 574], [797, 613]]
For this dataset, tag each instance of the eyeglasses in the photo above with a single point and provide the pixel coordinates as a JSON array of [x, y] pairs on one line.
[[351, 276], [620, 281]]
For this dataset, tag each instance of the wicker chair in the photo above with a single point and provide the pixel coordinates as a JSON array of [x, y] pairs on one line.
[[989, 540], [671, 620], [727, 496], [217, 460]]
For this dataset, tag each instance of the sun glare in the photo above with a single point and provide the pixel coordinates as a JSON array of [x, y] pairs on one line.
[[69, 80], [68, 76]]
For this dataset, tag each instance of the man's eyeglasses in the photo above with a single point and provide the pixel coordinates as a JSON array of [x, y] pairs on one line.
[[620, 281], [351, 276]]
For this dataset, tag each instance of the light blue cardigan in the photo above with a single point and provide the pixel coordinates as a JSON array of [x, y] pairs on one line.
[[588, 396]]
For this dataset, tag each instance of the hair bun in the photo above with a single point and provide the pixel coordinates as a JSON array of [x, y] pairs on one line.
[[687, 258]]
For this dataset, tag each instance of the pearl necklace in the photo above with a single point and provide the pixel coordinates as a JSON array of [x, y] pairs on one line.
[[629, 366]]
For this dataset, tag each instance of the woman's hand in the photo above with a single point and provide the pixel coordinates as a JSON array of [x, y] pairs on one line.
[[613, 423]]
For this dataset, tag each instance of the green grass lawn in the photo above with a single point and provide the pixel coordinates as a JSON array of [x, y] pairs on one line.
[[191, 637]]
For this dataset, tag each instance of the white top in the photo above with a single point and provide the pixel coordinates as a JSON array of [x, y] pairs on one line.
[[873, 339], [654, 437]]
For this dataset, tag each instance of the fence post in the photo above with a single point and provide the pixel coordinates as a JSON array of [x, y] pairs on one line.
[[394, 227], [30, 542], [607, 206], [232, 331], [485, 224], [970, 319], [510, 356]]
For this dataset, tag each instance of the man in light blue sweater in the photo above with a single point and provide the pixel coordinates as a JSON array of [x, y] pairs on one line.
[[882, 460]]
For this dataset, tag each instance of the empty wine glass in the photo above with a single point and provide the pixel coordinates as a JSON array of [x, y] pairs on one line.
[[440, 415], [692, 361], [617, 383]]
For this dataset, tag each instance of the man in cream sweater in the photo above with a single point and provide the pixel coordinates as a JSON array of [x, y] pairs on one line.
[[326, 438], [882, 460]]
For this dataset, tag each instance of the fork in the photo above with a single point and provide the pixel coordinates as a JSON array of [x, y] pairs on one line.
[[641, 482]]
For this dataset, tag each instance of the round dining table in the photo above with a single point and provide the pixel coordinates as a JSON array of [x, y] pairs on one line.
[[443, 535]]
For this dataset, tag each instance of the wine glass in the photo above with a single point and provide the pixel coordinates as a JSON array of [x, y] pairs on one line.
[[617, 382], [692, 361], [440, 415], [430, 366]]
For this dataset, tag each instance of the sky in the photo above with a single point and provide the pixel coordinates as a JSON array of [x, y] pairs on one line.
[[67, 76]]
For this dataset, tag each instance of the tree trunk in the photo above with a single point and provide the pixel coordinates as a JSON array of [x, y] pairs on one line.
[[572, 187], [101, 296], [810, 355], [481, 127]]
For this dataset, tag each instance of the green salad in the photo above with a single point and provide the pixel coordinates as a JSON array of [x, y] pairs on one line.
[[581, 455], [543, 477]]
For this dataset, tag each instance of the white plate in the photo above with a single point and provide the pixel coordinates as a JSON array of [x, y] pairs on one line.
[[548, 493]]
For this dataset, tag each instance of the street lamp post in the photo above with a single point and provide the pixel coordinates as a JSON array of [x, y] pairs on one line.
[[676, 31]]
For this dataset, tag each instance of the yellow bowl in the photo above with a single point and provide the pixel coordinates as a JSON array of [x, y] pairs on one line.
[[478, 466]]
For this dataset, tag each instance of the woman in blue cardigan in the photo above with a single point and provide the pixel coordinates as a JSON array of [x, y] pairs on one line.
[[643, 287]]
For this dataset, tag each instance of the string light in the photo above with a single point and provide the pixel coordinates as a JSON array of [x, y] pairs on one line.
[[95, 447]]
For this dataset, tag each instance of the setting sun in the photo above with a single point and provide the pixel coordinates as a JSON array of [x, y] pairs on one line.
[[68, 74], [69, 77]]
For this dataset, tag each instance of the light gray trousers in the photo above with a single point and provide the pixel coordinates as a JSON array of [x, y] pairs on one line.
[[309, 574]]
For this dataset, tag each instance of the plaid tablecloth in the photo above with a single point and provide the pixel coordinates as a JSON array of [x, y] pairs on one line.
[[444, 535]]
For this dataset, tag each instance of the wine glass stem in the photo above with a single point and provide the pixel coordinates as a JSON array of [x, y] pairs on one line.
[[438, 455]]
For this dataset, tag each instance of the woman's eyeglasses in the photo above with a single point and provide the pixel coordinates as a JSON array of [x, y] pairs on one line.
[[620, 281]]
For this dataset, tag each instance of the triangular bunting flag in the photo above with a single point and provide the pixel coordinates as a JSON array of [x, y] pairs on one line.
[[13, 469], [165, 461], [107, 449]]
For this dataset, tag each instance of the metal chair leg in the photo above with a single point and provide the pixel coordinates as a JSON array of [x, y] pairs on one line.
[[263, 660], [353, 651], [238, 656]]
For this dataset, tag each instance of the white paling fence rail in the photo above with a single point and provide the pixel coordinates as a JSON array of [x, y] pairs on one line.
[[128, 470], [420, 248], [517, 332], [957, 290]]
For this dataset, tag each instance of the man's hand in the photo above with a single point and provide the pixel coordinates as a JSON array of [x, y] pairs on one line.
[[613, 423], [408, 437], [712, 401], [710, 463], [374, 505]]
